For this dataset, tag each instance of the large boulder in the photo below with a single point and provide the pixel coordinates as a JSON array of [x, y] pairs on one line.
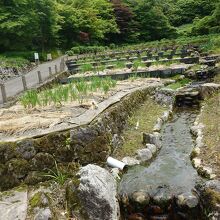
[[97, 193], [13, 204]]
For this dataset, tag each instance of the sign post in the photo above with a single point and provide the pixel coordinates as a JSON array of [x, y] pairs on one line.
[[49, 57], [36, 58]]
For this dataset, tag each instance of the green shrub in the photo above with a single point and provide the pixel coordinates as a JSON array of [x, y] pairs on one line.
[[86, 67], [85, 49]]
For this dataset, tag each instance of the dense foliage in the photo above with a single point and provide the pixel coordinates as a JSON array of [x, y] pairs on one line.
[[47, 24]]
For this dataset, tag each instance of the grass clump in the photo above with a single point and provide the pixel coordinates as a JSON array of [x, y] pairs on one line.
[[146, 117], [120, 65], [179, 84], [13, 62], [57, 175], [136, 64], [210, 117], [30, 99], [86, 67], [79, 90]]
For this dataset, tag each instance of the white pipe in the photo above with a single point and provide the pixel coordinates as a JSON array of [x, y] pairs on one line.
[[115, 163]]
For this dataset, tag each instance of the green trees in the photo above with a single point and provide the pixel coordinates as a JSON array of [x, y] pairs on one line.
[[94, 18], [26, 24], [45, 24], [151, 20], [42, 24], [185, 11], [208, 24], [127, 26]]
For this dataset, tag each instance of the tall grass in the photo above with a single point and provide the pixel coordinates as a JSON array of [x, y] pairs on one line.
[[120, 65], [30, 99], [79, 90], [86, 67], [136, 64]]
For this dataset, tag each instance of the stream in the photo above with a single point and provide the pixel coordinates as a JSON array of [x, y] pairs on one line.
[[171, 174]]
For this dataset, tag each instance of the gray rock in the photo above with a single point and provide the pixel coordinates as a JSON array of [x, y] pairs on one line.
[[97, 190], [158, 125], [26, 149], [13, 205], [199, 141], [156, 139], [197, 129], [213, 184], [152, 148], [115, 173], [42, 161], [187, 199], [116, 141], [162, 196], [43, 214], [208, 88], [144, 155], [209, 197], [214, 215], [83, 135], [165, 116], [207, 171], [196, 162], [146, 138], [165, 96], [18, 167], [140, 198], [130, 161]]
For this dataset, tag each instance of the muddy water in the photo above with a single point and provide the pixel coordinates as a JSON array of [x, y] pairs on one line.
[[171, 173]]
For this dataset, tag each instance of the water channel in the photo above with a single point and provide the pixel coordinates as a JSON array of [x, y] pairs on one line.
[[171, 174]]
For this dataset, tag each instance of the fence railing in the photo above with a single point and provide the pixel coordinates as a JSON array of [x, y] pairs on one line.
[[30, 80]]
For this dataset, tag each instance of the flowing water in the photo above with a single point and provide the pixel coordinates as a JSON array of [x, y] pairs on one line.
[[171, 173]]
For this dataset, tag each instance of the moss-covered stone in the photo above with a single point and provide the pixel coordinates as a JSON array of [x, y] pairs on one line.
[[51, 142], [74, 205], [39, 199], [8, 181], [212, 197], [35, 177], [26, 149], [18, 168], [42, 161], [7, 151]]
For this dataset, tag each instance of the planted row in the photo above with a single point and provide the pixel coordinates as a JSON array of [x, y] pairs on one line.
[[79, 90]]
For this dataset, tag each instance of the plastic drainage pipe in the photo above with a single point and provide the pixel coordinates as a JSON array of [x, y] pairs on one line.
[[115, 163]]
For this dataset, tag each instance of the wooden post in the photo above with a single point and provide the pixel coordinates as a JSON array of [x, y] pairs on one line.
[[39, 77], [63, 64], [4, 97], [50, 71], [56, 71], [24, 82], [61, 67]]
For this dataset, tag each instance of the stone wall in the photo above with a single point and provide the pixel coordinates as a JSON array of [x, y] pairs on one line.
[[24, 161]]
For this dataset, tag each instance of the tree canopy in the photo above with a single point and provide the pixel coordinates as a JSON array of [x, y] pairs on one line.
[[45, 24]]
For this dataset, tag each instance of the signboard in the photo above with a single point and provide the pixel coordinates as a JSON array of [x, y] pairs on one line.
[[36, 56], [49, 57]]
